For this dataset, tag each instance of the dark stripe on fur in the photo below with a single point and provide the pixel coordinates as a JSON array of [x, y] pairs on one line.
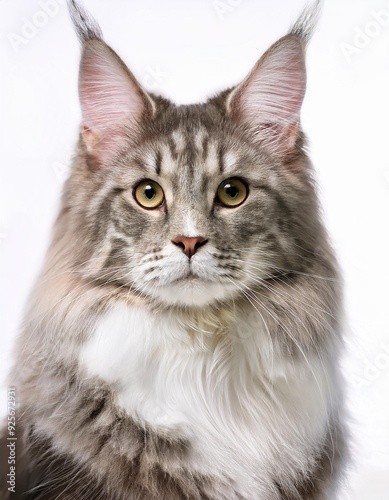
[[204, 146], [220, 156], [172, 147], [51, 475], [158, 162]]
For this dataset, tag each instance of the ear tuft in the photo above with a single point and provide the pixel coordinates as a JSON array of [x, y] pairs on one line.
[[307, 21], [86, 26]]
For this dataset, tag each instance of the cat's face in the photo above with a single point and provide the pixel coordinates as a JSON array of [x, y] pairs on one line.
[[192, 204], [196, 211], [195, 216]]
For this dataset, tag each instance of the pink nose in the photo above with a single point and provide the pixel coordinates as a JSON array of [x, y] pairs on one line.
[[189, 245]]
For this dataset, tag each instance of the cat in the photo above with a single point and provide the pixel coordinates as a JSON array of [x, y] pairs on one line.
[[183, 339]]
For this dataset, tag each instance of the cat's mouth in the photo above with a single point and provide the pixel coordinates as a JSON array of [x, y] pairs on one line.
[[188, 277], [191, 288]]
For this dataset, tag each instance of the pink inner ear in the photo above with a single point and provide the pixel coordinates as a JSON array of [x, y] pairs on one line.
[[109, 94], [102, 146], [274, 90]]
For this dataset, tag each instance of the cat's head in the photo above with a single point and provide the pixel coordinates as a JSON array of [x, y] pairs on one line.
[[192, 204]]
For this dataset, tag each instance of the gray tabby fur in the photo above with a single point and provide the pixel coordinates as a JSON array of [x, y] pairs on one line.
[[271, 256]]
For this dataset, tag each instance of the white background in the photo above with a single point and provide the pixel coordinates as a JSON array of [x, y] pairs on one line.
[[188, 50]]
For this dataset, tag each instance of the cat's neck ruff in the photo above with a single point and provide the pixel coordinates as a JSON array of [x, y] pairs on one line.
[[213, 380]]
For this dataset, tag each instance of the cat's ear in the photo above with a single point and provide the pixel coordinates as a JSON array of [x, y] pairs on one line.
[[110, 95], [270, 98], [113, 103]]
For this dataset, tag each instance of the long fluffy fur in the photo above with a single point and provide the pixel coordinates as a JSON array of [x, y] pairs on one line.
[[135, 383]]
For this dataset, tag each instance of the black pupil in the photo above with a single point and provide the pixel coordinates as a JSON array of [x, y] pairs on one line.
[[231, 190], [149, 192]]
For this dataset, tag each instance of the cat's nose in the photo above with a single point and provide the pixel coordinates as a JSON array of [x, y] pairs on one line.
[[189, 245]]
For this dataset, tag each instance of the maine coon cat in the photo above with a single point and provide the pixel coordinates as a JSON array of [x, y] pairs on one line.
[[182, 341]]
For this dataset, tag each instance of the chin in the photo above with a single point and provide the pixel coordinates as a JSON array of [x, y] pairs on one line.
[[193, 293]]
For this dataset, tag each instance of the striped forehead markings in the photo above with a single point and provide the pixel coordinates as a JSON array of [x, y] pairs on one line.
[[191, 149]]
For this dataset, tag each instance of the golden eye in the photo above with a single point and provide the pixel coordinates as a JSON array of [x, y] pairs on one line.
[[232, 193], [149, 194]]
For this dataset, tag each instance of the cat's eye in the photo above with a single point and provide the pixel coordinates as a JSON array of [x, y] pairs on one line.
[[232, 192], [149, 194]]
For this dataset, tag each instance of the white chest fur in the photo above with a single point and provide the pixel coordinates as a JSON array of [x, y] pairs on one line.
[[242, 407]]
